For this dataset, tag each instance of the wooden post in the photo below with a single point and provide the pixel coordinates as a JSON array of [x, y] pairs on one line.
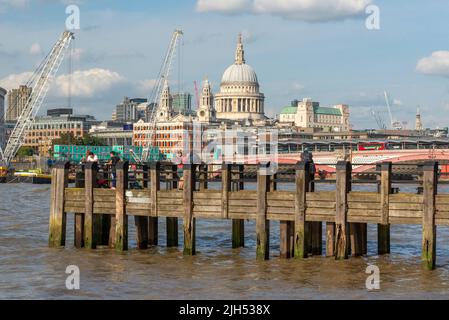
[[342, 243], [301, 230], [142, 223], [79, 217], [430, 185], [225, 189], [262, 224], [57, 225], [90, 222], [383, 228], [356, 239], [121, 218], [330, 239], [238, 225], [203, 176], [172, 223], [189, 220], [317, 237], [155, 185]]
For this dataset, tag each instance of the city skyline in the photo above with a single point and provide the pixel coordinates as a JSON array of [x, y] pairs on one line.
[[311, 50]]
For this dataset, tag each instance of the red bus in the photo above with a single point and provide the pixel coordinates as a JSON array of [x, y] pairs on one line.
[[372, 146]]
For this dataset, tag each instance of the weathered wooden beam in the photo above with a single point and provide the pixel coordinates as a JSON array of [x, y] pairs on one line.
[[430, 184], [121, 218], [302, 181], [383, 228], [57, 224], [203, 176], [189, 220], [286, 239], [316, 238], [155, 185], [342, 243], [330, 239], [225, 189], [286, 228], [238, 225], [172, 223], [90, 221], [262, 223], [79, 217], [356, 239]]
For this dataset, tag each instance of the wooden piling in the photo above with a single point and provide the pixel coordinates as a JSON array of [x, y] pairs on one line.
[[316, 238], [141, 222], [302, 179], [262, 223], [225, 189], [356, 239], [172, 223], [342, 243], [383, 228], [121, 219], [238, 225], [330, 239], [203, 177], [155, 185], [90, 221], [79, 217], [430, 184], [189, 220], [57, 225]]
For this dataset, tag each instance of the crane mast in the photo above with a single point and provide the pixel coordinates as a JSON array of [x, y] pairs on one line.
[[164, 74], [39, 83]]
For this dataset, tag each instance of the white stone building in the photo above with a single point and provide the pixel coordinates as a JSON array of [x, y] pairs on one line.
[[309, 114]]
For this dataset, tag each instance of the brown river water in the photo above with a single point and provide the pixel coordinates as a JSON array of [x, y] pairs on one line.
[[30, 270]]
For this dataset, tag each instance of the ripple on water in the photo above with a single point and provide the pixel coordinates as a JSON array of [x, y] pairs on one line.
[[31, 270]]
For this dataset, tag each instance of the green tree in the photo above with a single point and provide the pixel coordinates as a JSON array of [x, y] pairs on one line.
[[69, 139], [25, 152]]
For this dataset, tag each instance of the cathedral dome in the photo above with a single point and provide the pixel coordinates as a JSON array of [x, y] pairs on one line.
[[239, 73]]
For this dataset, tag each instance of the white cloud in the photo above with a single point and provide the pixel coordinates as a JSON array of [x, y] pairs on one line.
[[224, 6], [35, 49], [297, 86], [305, 10], [15, 80], [87, 83], [436, 64], [146, 86], [397, 102]]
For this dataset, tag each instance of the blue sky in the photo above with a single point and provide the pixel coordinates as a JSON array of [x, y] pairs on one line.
[[299, 48]]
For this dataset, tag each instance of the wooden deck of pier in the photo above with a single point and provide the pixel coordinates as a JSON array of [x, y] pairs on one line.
[[101, 215]]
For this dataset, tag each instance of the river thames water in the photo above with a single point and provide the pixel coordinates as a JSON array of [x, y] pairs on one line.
[[29, 269]]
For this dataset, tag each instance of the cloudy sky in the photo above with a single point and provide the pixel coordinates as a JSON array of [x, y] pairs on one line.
[[300, 48]]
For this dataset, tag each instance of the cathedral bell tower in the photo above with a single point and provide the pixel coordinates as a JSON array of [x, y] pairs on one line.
[[206, 111], [165, 110]]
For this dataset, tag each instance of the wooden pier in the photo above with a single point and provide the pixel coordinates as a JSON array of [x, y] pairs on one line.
[[101, 215]]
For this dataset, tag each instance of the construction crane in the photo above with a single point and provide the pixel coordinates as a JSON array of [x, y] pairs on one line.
[[394, 124], [379, 120], [39, 83], [164, 74], [197, 96]]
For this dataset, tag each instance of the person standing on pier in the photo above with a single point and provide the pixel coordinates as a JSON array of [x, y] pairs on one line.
[[91, 157], [112, 163]]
